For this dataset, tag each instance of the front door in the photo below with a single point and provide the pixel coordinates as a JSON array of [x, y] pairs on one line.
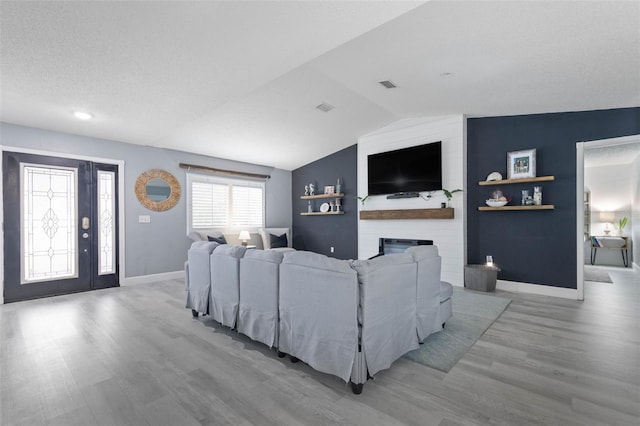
[[60, 226]]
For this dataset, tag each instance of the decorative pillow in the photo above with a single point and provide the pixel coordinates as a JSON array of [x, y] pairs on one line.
[[220, 240], [279, 241]]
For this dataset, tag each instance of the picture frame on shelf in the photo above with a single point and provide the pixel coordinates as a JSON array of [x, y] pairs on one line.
[[328, 190], [521, 164]]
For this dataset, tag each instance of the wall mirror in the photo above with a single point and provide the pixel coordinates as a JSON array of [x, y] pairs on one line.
[[157, 190]]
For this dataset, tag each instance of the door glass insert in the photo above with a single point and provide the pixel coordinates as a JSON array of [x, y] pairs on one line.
[[48, 214], [106, 223]]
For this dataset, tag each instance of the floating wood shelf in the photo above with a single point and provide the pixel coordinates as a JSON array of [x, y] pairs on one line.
[[320, 213], [510, 181], [446, 213], [315, 197], [543, 207]]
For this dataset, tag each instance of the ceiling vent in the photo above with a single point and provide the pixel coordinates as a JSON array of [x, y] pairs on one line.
[[325, 107], [388, 84]]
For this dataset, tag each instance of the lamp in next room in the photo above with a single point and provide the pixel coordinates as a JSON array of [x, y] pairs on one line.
[[244, 236], [607, 218]]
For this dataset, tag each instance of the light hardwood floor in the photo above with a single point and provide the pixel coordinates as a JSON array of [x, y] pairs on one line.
[[134, 356]]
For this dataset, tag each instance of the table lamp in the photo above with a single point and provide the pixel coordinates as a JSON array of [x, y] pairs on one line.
[[244, 236]]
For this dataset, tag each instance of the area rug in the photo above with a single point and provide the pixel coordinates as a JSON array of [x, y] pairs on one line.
[[591, 273], [473, 314]]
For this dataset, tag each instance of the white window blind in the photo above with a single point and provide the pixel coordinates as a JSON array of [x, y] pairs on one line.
[[225, 204]]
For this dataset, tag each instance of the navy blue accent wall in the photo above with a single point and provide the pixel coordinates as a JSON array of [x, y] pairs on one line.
[[533, 246], [320, 233]]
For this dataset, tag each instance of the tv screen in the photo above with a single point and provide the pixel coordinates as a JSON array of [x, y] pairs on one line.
[[413, 169]]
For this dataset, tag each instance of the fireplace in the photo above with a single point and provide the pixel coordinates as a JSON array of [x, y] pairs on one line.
[[399, 245]]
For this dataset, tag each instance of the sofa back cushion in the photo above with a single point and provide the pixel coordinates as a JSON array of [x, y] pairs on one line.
[[388, 304]]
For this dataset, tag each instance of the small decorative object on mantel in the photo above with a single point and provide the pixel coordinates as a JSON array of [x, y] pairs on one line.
[[312, 189], [449, 195], [521, 164], [362, 201], [306, 190], [338, 187], [328, 190]]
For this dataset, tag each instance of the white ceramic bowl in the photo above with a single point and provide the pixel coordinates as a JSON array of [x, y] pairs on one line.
[[496, 203]]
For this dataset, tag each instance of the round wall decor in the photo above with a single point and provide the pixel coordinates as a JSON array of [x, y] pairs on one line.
[[157, 190]]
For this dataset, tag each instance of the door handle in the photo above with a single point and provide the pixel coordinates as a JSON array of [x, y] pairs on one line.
[[85, 223]]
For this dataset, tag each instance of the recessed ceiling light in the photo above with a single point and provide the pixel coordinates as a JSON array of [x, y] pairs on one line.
[[446, 74], [81, 115]]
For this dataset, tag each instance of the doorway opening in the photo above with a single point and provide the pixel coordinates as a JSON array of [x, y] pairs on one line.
[[604, 206]]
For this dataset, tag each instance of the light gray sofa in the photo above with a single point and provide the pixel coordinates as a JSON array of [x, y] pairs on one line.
[[433, 297], [351, 319], [259, 289], [225, 283], [198, 276]]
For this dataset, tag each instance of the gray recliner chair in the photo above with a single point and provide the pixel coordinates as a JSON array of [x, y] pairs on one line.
[[259, 288], [225, 283], [198, 277], [433, 296]]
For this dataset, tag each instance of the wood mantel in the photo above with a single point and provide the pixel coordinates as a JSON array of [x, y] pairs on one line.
[[446, 213]]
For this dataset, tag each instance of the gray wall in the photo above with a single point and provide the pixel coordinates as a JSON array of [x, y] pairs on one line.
[[159, 246]]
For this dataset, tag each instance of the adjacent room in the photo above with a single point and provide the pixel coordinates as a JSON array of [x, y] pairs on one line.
[[319, 212]]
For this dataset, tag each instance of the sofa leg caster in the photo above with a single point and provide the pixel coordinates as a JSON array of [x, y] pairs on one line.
[[356, 388], [281, 354], [293, 359], [194, 313]]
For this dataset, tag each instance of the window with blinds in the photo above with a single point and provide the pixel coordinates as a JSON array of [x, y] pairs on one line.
[[225, 204]]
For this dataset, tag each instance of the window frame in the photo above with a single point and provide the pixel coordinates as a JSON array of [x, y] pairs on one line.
[[230, 183]]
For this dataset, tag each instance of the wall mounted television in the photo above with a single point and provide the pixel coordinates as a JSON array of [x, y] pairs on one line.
[[407, 170]]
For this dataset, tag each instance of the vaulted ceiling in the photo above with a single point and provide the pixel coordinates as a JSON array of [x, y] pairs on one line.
[[241, 80]]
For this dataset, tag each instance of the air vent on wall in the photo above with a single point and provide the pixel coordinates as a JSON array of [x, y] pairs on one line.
[[388, 84], [325, 107]]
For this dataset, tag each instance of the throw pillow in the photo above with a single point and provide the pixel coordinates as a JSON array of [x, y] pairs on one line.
[[219, 240], [279, 241]]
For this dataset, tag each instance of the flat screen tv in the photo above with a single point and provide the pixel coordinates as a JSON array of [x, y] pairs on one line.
[[413, 169]]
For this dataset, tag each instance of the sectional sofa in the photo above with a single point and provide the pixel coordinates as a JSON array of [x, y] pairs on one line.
[[348, 318]]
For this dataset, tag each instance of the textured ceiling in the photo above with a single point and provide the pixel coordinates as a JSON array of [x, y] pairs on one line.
[[241, 80]]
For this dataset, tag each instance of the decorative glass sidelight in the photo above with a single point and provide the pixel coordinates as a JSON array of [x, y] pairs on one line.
[[106, 222], [48, 214]]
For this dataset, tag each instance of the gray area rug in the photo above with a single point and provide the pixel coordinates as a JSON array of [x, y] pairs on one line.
[[473, 313], [591, 273]]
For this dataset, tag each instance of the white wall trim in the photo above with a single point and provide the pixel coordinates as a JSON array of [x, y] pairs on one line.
[[121, 203], [146, 279], [539, 289], [580, 220]]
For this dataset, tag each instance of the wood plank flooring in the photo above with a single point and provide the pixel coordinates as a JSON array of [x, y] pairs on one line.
[[134, 356]]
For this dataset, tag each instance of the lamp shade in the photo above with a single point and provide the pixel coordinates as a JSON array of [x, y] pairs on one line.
[[244, 235], [607, 216]]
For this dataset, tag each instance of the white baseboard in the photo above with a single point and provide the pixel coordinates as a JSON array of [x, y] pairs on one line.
[[146, 279], [542, 290], [636, 267]]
